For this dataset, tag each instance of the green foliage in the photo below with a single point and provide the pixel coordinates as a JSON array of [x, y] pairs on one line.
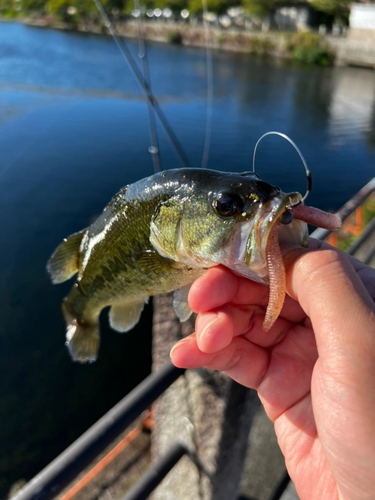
[[369, 209], [261, 7], [60, 6], [216, 6], [8, 8], [260, 46], [346, 242], [337, 8], [128, 5], [174, 37], [33, 5], [175, 5], [309, 48]]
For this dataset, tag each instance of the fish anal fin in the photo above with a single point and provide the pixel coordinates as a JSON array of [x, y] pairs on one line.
[[124, 316], [180, 303], [64, 262]]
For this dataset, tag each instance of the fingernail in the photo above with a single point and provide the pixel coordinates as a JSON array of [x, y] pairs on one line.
[[179, 343], [205, 323]]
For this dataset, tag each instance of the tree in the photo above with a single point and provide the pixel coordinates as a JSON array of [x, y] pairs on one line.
[[261, 7], [176, 6], [33, 5], [80, 9], [217, 6], [339, 9]]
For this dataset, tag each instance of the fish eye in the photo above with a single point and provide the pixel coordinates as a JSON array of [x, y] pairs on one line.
[[228, 205], [266, 189]]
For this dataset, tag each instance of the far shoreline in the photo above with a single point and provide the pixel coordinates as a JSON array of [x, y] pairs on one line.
[[305, 47], [272, 44]]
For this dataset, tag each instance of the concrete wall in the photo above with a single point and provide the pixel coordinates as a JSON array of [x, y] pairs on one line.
[[362, 23], [234, 447], [362, 16]]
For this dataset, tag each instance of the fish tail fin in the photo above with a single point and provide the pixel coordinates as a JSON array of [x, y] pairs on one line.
[[83, 341], [82, 338], [64, 262]]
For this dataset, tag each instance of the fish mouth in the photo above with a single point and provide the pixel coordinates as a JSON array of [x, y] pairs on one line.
[[294, 232]]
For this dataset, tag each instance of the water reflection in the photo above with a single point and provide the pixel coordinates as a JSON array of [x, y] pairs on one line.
[[351, 110]]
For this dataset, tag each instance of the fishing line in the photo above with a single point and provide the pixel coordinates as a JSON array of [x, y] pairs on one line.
[[209, 66], [138, 75], [308, 173], [142, 54]]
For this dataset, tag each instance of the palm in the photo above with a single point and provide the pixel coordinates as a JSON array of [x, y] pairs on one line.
[[286, 394]]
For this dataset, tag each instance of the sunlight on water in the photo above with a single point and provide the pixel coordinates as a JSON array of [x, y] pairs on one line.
[[352, 109]]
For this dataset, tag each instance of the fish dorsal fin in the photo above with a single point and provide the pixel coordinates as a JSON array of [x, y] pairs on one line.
[[64, 262], [124, 316], [180, 303]]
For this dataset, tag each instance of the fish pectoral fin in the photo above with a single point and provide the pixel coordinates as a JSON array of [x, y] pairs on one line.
[[124, 316], [180, 303], [64, 262]]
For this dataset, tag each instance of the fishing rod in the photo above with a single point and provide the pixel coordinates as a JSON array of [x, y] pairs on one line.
[[209, 66], [142, 54], [142, 82]]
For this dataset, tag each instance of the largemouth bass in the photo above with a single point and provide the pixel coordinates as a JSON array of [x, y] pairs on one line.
[[161, 233]]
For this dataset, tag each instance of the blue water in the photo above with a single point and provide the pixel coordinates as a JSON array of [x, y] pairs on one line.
[[73, 130]]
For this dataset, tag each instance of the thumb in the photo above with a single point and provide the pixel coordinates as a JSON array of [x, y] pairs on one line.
[[342, 316], [340, 309]]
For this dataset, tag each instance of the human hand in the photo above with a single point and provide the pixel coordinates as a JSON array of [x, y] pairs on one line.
[[314, 370]]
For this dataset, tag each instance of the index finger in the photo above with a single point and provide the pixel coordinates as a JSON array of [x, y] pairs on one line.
[[219, 286]]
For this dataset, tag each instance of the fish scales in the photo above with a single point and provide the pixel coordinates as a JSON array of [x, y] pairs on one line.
[[117, 258], [161, 233]]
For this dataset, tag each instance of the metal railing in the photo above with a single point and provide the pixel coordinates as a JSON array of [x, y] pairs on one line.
[[70, 463], [60, 472], [364, 233], [154, 475], [356, 245], [348, 208]]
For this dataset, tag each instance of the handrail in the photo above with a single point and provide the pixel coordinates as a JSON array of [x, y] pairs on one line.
[[53, 478], [348, 208], [154, 475], [281, 487], [369, 229]]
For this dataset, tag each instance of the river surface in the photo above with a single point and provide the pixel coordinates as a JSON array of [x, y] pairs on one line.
[[73, 131]]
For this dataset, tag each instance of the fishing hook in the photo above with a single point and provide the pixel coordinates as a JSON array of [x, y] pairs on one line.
[[308, 173]]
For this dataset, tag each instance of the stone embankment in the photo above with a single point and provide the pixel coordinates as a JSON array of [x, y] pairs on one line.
[[356, 49], [353, 51]]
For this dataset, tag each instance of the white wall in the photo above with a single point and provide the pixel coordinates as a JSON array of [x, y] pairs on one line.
[[362, 17]]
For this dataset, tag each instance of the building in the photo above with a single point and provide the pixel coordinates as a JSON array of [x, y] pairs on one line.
[[294, 17], [362, 23]]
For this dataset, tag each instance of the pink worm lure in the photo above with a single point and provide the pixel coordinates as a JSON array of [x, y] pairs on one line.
[[276, 269]]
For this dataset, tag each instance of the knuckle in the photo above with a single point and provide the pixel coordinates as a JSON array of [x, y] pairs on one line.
[[233, 361]]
